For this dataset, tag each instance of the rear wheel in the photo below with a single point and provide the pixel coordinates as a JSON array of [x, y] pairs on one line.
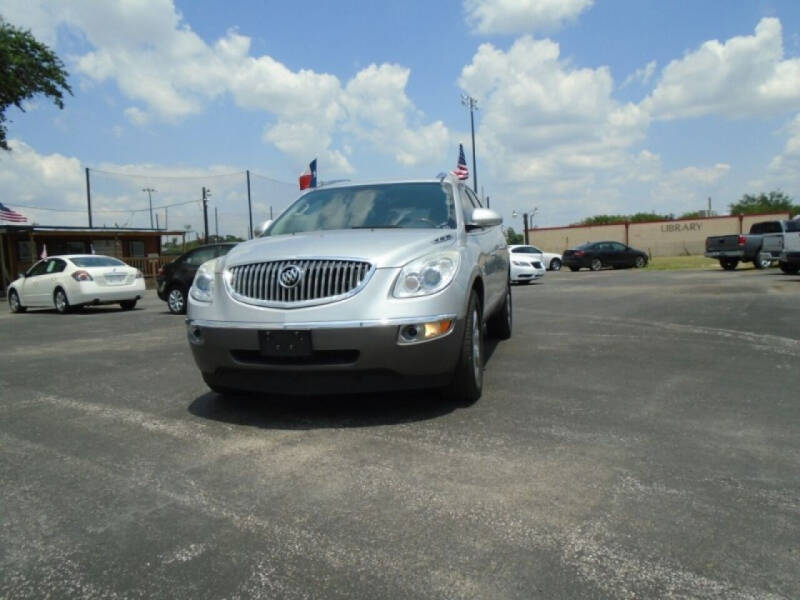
[[128, 304], [555, 264], [60, 301], [762, 261], [785, 267], [13, 302], [499, 326], [176, 300], [729, 264], [467, 383], [596, 264]]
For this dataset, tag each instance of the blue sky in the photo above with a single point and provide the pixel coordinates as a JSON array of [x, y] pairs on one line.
[[587, 106]]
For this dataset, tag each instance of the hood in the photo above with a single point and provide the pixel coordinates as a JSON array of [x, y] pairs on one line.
[[381, 247]]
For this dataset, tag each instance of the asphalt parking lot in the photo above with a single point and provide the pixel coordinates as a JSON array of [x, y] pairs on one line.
[[637, 438]]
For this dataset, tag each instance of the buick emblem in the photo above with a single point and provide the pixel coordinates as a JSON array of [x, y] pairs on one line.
[[290, 276]]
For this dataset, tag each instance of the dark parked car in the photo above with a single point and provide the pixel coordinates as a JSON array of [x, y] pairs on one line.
[[596, 255], [175, 279]]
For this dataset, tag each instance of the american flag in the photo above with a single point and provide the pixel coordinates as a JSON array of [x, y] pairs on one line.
[[461, 170], [6, 214]]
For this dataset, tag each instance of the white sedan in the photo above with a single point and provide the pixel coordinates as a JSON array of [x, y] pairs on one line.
[[525, 269], [74, 280], [550, 260]]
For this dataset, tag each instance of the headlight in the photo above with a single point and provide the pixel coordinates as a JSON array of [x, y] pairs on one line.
[[202, 288], [427, 275], [519, 263]]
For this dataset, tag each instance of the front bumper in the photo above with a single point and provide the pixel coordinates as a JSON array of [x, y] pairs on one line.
[[346, 357]]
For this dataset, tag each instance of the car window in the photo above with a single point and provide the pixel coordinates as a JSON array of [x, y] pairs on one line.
[[55, 265], [415, 205], [766, 227], [792, 226], [586, 246], [37, 269], [199, 256], [535, 250], [617, 247], [96, 261]]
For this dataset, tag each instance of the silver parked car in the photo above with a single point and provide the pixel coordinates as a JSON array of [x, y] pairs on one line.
[[357, 288]]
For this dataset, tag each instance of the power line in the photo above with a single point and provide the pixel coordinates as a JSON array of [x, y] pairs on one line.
[[151, 176], [125, 210]]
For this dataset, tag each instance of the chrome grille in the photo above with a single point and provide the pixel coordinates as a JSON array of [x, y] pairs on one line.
[[321, 280]]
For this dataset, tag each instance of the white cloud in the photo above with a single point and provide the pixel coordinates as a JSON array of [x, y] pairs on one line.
[[520, 16], [784, 169], [744, 76], [642, 75]]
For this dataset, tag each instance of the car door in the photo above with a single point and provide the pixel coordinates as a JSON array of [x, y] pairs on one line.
[[493, 260], [619, 255], [30, 290], [50, 279]]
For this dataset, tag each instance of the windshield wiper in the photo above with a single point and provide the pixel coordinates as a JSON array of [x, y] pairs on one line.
[[376, 227]]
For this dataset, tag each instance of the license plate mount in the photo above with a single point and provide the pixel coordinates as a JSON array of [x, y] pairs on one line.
[[293, 343]]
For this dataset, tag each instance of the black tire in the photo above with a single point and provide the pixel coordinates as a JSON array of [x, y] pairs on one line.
[[762, 261], [555, 264], [729, 264], [640, 262], [220, 389], [467, 383], [596, 264], [789, 269], [14, 305], [574, 269], [500, 324], [176, 300], [127, 304], [60, 301]]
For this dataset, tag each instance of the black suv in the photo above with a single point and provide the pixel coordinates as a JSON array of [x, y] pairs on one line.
[[175, 279]]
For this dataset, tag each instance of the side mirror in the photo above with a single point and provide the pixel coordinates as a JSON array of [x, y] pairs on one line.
[[485, 217], [261, 229]]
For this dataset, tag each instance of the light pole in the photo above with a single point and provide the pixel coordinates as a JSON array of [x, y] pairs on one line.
[[149, 191], [472, 104], [526, 217]]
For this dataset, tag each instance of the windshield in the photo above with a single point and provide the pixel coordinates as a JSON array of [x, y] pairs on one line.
[[96, 261], [391, 205]]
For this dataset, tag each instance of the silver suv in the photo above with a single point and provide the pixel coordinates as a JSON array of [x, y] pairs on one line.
[[368, 287]]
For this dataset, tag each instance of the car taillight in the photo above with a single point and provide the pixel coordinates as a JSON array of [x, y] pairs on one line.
[[161, 271], [742, 240], [82, 276], [579, 252]]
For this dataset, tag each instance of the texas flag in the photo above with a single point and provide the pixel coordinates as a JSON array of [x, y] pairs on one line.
[[309, 177]]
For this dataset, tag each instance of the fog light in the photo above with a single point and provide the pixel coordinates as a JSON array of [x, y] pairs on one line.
[[195, 334], [423, 332]]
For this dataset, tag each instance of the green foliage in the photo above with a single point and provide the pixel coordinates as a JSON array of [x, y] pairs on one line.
[[512, 237], [695, 214], [635, 218], [775, 201], [175, 246], [27, 68]]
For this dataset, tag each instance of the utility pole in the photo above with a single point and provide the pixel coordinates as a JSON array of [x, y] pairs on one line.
[[216, 224], [249, 205], [166, 217], [206, 194], [149, 191], [89, 197], [525, 226], [157, 226], [472, 104]]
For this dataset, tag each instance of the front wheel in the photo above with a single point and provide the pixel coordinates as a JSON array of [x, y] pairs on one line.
[[176, 301], [762, 261], [467, 383], [60, 301], [499, 326], [14, 304], [596, 264], [640, 262], [127, 304], [555, 265]]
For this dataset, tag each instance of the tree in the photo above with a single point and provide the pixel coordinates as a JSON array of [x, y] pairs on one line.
[[775, 201], [512, 237], [635, 218], [27, 68]]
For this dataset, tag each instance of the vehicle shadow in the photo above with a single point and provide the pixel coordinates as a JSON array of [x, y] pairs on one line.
[[329, 411], [322, 412]]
